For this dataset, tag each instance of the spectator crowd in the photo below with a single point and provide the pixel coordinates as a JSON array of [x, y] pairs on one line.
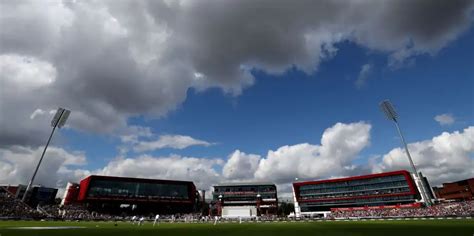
[[12, 208], [440, 210]]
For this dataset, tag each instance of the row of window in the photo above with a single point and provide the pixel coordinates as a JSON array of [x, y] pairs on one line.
[[244, 197], [354, 183], [360, 201], [139, 190], [130, 196], [356, 194], [239, 199], [245, 189], [396, 184], [245, 194]]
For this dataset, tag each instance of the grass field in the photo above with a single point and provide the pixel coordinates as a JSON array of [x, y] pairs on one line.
[[384, 228]]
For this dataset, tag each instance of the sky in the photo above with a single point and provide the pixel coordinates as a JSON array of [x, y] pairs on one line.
[[233, 91]]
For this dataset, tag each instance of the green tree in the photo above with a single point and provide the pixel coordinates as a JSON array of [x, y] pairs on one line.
[[285, 208]]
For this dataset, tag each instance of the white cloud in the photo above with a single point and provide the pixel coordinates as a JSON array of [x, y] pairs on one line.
[[170, 141], [133, 133], [445, 119], [17, 164], [446, 157], [200, 170], [36, 113], [240, 166], [340, 145], [402, 58], [364, 74], [30, 72], [60, 166]]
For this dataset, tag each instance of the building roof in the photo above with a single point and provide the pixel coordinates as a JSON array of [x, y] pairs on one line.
[[23, 186], [463, 181], [369, 176], [133, 179], [243, 184]]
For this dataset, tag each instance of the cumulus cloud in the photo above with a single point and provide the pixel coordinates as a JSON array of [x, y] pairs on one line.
[[445, 119], [170, 141], [339, 146], [59, 166], [446, 157], [240, 166], [108, 61], [200, 170]]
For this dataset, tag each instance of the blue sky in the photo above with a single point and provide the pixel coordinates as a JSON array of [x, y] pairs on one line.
[[236, 90]]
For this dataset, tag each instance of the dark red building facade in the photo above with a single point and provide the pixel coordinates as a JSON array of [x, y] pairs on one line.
[[374, 190], [127, 195], [459, 190]]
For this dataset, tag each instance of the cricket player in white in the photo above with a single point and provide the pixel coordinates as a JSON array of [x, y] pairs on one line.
[[157, 219], [134, 218], [142, 219]]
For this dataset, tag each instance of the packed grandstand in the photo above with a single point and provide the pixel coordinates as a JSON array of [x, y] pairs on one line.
[[121, 199]]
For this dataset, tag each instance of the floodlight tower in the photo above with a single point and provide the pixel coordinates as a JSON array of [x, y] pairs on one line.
[[391, 114], [58, 121], [295, 201]]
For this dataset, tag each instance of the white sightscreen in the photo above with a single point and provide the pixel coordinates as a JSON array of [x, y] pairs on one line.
[[236, 212]]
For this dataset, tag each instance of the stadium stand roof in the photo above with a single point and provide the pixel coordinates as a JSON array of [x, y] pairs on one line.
[[243, 184]]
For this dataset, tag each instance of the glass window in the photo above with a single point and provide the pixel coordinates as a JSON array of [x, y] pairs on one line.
[[111, 188]]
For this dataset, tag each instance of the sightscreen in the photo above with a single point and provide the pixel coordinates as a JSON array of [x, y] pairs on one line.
[[236, 212]]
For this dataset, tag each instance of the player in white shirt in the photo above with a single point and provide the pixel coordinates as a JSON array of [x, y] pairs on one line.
[[157, 219], [134, 218], [142, 219]]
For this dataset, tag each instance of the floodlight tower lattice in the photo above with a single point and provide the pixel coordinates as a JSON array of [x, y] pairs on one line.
[[59, 120], [391, 114]]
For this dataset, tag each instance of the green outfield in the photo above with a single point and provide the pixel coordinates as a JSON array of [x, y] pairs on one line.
[[384, 228]]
